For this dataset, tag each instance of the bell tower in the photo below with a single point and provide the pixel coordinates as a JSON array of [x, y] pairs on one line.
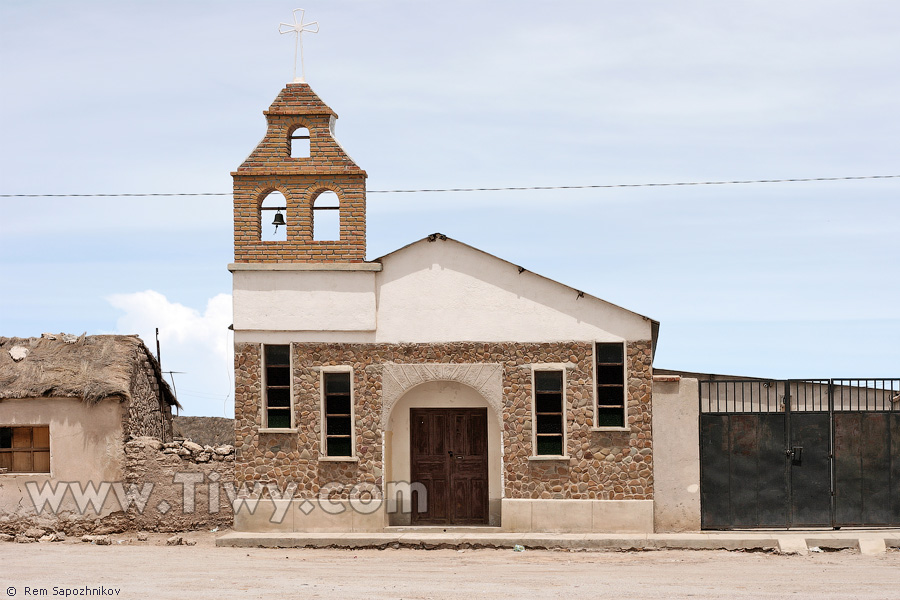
[[299, 158]]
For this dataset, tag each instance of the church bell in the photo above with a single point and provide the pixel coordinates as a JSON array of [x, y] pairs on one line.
[[279, 220]]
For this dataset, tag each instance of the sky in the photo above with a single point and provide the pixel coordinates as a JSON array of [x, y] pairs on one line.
[[771, 280]]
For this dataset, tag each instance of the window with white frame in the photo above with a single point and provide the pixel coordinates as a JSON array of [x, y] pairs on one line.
[[549, 411], [277, 360], [610, 377], [337, 411]]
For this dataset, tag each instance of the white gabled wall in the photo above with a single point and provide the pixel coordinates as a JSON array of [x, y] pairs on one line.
[[446, 291], [441, 291]]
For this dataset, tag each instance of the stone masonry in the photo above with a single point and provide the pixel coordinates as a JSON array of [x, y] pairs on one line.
[[147, 413], [169, 467], [602, 464]]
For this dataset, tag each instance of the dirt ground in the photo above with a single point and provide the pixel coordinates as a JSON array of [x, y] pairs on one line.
[[150, 569]]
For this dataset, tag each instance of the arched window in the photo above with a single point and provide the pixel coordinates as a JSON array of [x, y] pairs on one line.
[[326, 217], [300, 143], [274, 204]]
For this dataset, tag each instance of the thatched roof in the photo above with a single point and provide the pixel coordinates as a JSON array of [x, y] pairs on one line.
[[90, 367]]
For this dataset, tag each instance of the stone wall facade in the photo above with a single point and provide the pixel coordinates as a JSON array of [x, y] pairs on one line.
[[147, 413], [601, 464]]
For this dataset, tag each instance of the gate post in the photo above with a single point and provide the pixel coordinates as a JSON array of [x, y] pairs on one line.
[[788, 440], [831, 452]]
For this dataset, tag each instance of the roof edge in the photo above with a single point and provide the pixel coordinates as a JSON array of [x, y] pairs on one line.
[[434, 237]]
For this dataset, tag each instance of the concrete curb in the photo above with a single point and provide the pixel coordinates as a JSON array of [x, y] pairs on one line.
[[610, 542], [783, 542], [793, 545]]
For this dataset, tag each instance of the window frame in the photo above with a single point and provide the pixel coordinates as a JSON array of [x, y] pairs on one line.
[[323, 441], [264, 391], [561, 368], [32, 449], [594, 368]]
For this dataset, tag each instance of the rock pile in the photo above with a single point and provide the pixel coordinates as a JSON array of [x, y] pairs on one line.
[[34, 534], [189, 450], [186, 449]]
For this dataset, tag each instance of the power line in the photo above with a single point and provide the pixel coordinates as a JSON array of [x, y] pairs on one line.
[[634, 185], [486, 189], [113, 195]]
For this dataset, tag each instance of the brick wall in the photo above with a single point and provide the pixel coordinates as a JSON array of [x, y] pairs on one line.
[[271, 168], [602, 465]]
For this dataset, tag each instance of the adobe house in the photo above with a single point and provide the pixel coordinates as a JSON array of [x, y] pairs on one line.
[[500, 397], [68, 404]]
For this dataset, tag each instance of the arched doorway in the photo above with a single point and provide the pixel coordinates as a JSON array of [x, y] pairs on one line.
[[446, 436]]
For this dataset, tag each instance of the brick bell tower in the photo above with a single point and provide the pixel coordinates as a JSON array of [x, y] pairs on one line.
[[275, 165]]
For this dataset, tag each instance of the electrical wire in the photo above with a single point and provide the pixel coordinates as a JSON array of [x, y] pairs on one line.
[[484, 189], [634, 185]]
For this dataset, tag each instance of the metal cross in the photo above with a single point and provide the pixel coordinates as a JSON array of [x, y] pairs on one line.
[[298, 28]]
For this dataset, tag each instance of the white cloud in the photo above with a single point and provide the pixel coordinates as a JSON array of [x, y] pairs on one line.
[[196, 344]]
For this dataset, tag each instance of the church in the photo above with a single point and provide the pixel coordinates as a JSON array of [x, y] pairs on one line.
[[435, 386]]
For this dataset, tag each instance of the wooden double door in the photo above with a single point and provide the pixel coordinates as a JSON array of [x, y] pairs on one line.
[[449, 457]]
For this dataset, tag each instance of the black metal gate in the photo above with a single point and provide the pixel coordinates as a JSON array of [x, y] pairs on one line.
[[799, 453]]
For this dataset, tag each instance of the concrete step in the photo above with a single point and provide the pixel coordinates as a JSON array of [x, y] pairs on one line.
[[442, 529], [866, 542]]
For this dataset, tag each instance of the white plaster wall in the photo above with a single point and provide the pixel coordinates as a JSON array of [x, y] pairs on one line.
[[577, 516], [441, 291], [446, 291], [442, 394], [304, 300], [676, 456], [86, 444]]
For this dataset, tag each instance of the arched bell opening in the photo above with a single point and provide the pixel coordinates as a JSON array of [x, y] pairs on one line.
[[326, 217], [273, 218]]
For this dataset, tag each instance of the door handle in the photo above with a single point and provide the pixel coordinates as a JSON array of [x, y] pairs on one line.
[[795, 453]]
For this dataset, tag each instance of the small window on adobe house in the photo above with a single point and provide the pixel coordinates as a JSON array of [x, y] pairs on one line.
[[274, 204], [326, 217], [277, 364], [300, 143], [337, 408], [25, 449], [610, 374], [549, 412]]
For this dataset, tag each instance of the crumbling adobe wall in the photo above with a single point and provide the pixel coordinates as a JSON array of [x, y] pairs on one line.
[[86, 446], [185, 477], [159, 473]]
